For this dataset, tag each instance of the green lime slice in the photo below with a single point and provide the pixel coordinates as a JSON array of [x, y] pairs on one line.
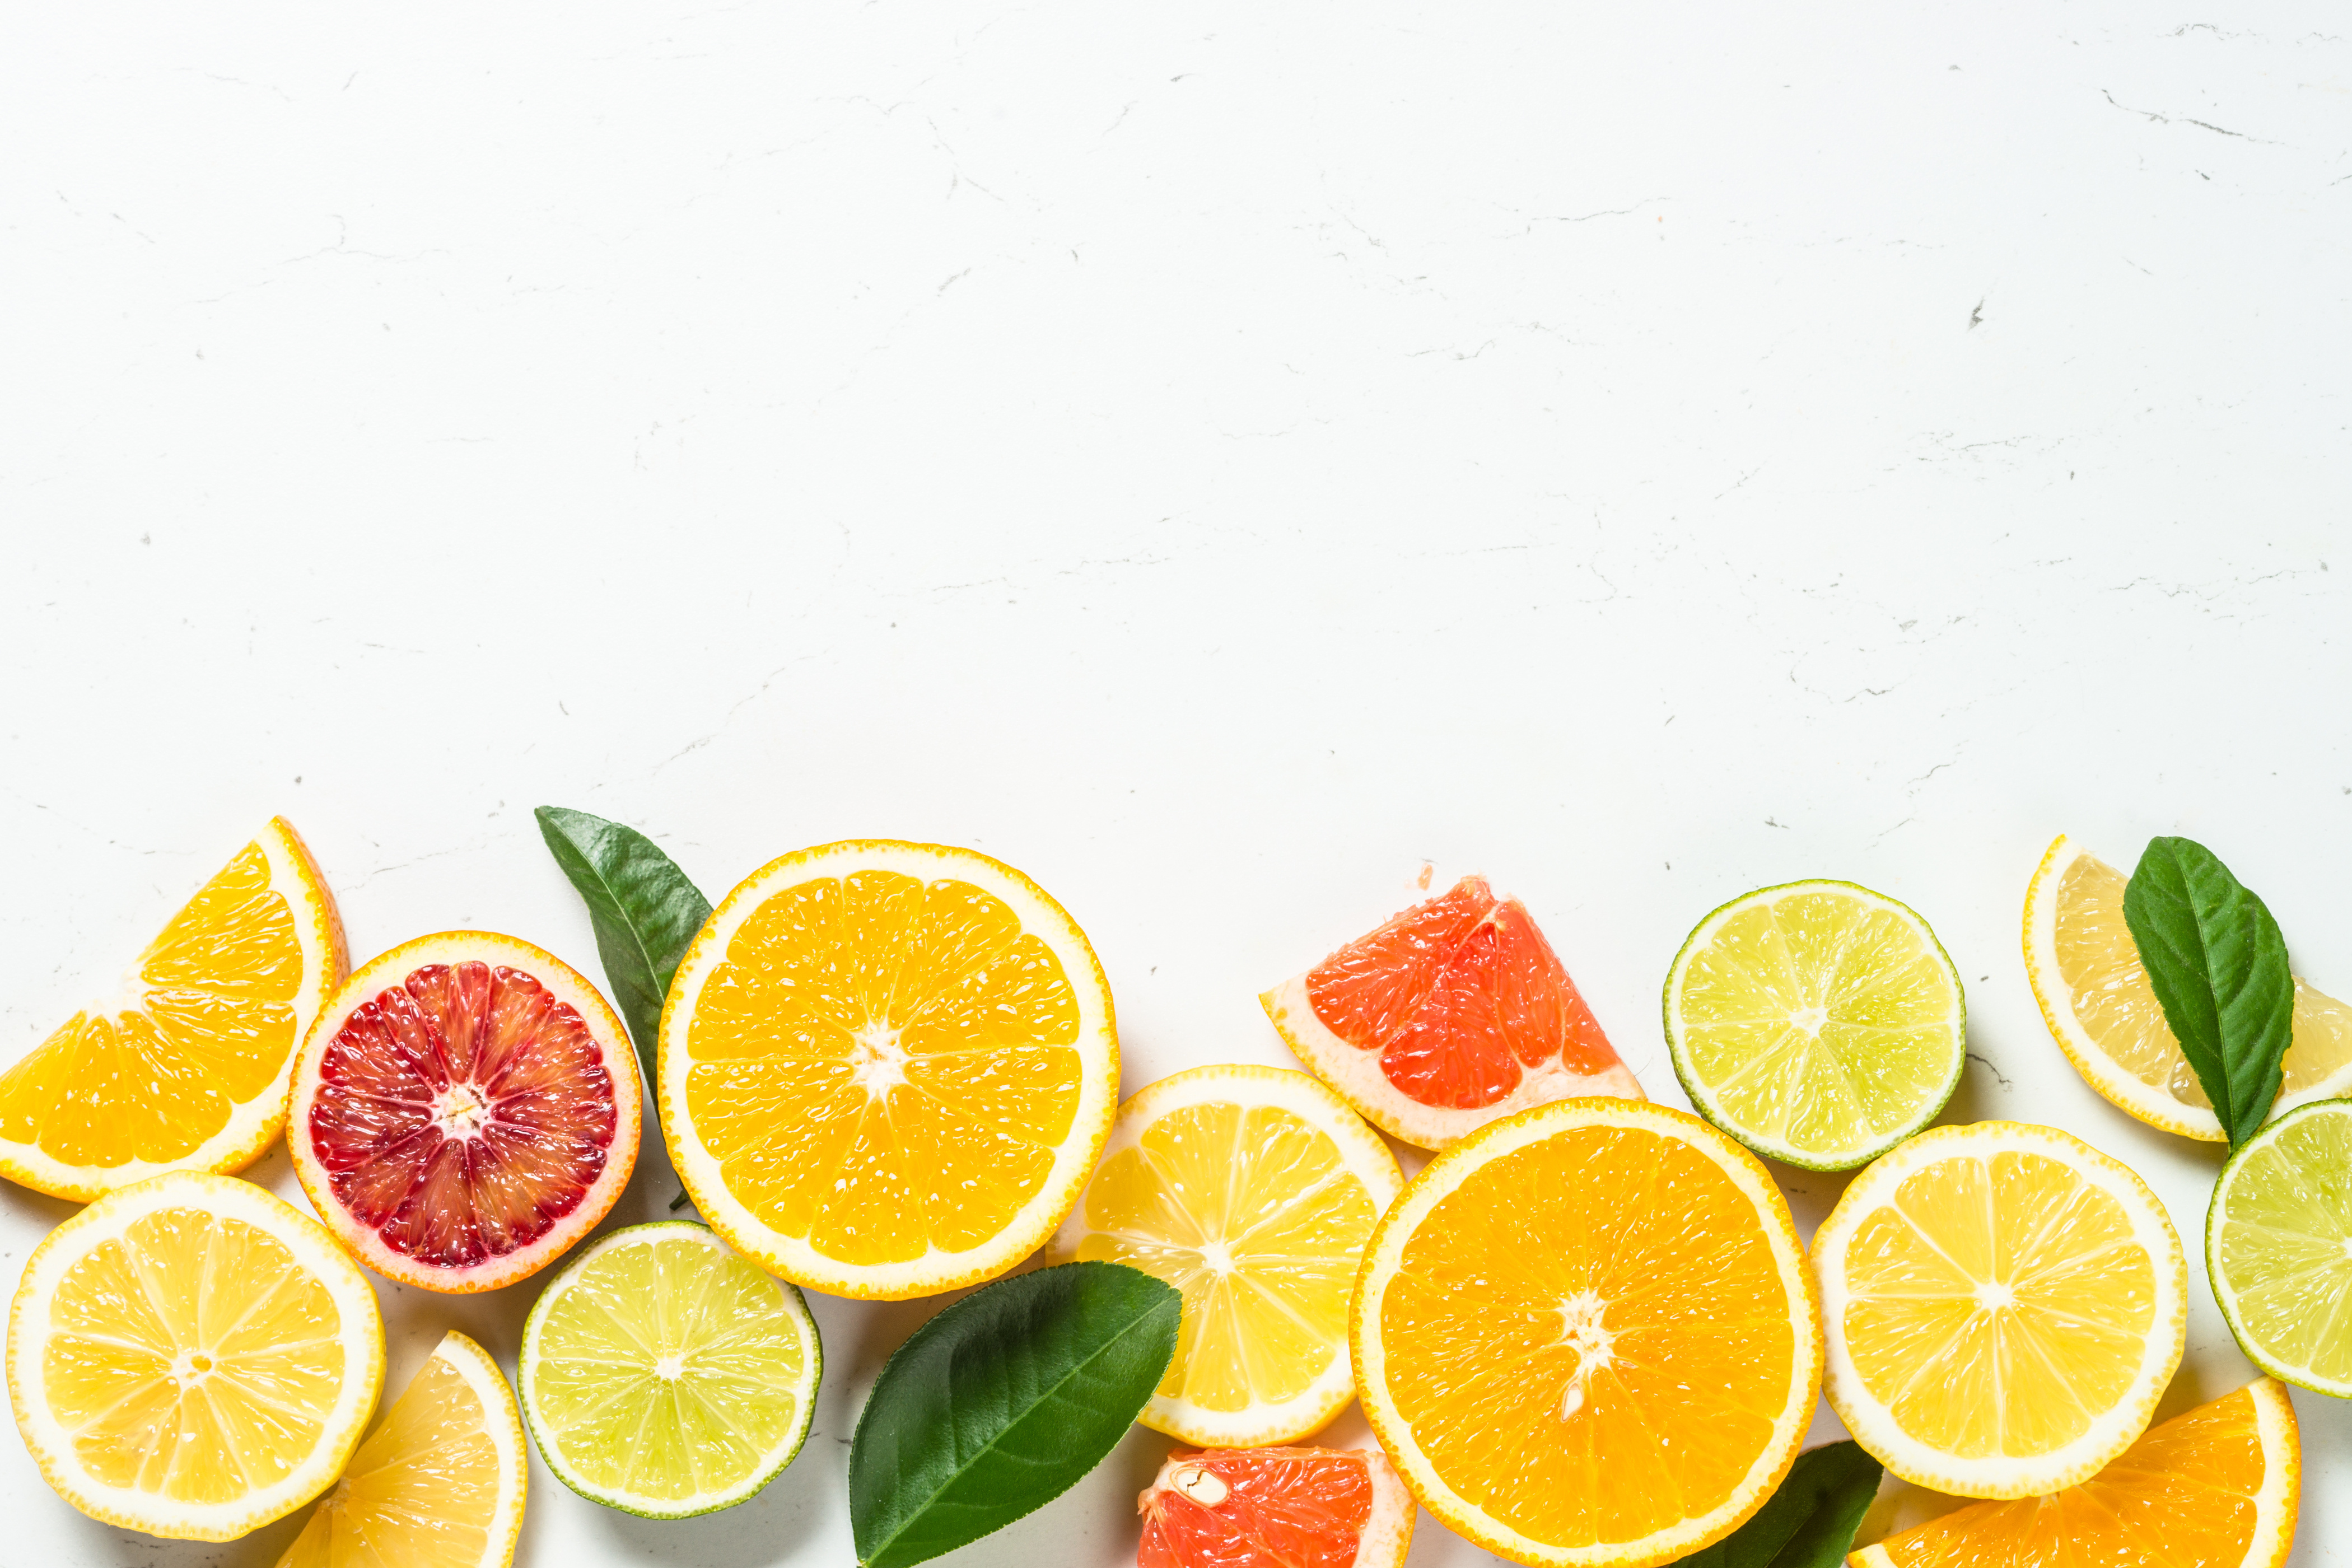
[[664, 1375], [2278, 1246], [1818, 1023]]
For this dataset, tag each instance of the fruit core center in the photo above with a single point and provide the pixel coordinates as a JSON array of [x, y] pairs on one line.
[[1582, 1331], [189, 1366], [1810, 1020], [877, 1060], [1199, 1485], [669, 1367], [460, 1110], [1217, 1258], [1993, 1295]]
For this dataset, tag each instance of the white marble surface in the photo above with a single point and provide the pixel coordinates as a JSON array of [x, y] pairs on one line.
[[1213, 457]]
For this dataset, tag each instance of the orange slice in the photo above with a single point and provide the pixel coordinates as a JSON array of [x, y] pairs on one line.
[[1274, 1507], [1586, 1335], [2214, 1488], [187, 1069]]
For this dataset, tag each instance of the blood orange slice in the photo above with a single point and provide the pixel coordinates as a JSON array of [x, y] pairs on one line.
[[1274, 1507], [465, 1109], [1454, 1013]]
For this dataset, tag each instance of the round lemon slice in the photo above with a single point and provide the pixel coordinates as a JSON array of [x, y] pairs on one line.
[[1252, 1190], [191, 1357], [887, 1068], [2278, 1246], [2003, 1306]]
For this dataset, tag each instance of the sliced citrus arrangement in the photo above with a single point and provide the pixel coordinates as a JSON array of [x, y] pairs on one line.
[[1818, 1023], [1252, 1190], [2003, 1305], [186, 1068], [191, 1357], [465, 1108], [2278, 1246], [887, 1068], [2213, 1488], [438, 1484], [1274, 1507], [1587, 1334], [667, 1376], [2094, 994], [1454, 1013]]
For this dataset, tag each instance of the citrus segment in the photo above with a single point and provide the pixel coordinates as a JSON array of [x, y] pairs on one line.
[[191, 1357], [1451, 1015], [187, 1070], [1587, 1334], [2214, 1488], [1818, 1023], [467, 1108], [1274, 1507], [2278, 1246], [438, 1484], [2003, 1305], [1252, 1190], [664, 1375], [887, 1068]]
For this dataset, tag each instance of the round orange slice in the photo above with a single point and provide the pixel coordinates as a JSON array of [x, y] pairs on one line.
[[1274, 1507], [1586, 1335]]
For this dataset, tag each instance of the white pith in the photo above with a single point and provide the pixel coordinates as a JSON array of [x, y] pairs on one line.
[[1262, 1424], [1355, 1072], [1438, 1181], [2225, 1292], [937, 1269], [2110, 1432], [1387, 1534]]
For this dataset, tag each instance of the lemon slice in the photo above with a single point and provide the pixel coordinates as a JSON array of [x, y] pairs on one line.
[[438, 1484], [664, 1375], [1253, 1190], [2096, 996], [2003, 1306], [193, 1358], [187, 1068], [2278, 1246], [886, 1069], [1818, 1023]]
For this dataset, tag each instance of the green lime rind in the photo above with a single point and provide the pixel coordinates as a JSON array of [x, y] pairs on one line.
[[1709, 1104], [2323, 1188], [535, 1353]]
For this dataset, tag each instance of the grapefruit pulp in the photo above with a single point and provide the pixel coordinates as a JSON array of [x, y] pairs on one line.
[[465, 1109], [1274, 1507]]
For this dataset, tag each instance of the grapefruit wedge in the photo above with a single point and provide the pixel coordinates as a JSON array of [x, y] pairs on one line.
[[465, 1109], [1454, 1013], [1274, 1507]]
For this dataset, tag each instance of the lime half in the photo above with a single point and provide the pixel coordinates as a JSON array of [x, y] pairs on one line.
[[2278, 1246], [1818, 1023], [664, 1375]]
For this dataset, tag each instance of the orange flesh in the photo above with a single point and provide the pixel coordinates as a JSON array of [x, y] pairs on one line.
[[1460, 996], [1279, 1508]]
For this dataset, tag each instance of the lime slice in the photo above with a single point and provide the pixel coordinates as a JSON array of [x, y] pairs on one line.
[[664, 1375], [2278, 1246], [1818, 1023]]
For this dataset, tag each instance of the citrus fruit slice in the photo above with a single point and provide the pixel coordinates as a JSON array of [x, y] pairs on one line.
[[2278, 1246], [1818, 1023], [438, 1484], [1274, 1507], [1586, 1335], [886, 1069], [664, 1375], [465, 1108], [2212, 1488], [1252, 1190], [2003, 1305], [2096, 996], [1453, 1015], [186, 1068], [191, 1357]]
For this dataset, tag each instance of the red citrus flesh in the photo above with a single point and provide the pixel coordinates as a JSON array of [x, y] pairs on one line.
[[1256, 1508], [1460, 996], [462, 1113]]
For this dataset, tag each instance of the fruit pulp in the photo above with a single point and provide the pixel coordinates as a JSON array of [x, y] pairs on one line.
[[1256, 1508]]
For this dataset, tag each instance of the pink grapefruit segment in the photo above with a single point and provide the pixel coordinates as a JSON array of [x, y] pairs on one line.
[[1274, 1507]]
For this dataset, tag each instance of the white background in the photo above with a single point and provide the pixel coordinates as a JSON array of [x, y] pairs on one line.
[[1213, 457]]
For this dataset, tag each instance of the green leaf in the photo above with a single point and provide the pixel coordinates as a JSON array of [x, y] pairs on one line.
[[1809, 1522], [643, 909], [2218, 966], [999, 1404]]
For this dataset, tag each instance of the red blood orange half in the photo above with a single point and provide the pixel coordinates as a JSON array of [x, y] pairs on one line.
[[463, 1110], [1274, 1507], [1454, 1013]]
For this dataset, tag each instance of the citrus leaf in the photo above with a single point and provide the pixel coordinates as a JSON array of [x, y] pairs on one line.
[[644, 910], [999, 1405], [2218, 966], [1809, 1522]]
